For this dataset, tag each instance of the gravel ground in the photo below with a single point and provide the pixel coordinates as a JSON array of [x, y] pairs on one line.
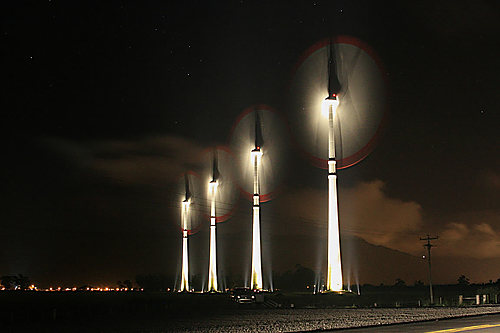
[[297, 320]]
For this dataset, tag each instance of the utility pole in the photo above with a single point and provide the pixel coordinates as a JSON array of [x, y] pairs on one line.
[[428, 245]]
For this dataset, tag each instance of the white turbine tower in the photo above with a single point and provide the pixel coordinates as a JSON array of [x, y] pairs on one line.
[[258, 175], [329, 108], [256, 155], [212, 188], [347, 72], [185, 232], [334, 273]]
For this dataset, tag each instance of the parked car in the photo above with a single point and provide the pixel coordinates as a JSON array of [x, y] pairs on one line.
[[243, 295]]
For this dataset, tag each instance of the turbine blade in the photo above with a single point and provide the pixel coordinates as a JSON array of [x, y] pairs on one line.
[[215, 169], [334, 86], [347, 69], [188, 192], [259, 140]]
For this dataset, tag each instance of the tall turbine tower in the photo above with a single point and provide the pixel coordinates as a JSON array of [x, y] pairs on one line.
[[212, 188], [349, 74], [329, 108], [258, 174], [184, 223], [256, 155]]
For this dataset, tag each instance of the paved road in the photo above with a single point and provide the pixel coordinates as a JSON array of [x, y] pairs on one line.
[[483, 324]]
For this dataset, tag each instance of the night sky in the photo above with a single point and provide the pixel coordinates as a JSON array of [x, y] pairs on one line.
[[106, 104]]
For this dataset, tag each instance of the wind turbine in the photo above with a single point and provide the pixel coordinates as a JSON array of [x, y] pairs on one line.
[[221, 203], [212, 267], [258, 141], [338, 92], [189, 197], [185, 233], [256, 155]]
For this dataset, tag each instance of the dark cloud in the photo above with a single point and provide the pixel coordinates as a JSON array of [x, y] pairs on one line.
[[366, 211], [477, 236], [157, 161]]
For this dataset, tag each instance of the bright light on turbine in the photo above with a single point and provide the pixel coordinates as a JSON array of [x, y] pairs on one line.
[[256, 154], [329, 102], [212, 186]]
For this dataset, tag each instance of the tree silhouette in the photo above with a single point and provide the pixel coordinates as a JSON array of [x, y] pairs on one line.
[[125, 284], [298, 279], [463, 280], [418, 283], [399, 283], [13, 282]]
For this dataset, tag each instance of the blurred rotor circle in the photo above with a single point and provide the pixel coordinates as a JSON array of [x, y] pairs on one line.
[[219, 165], [189, 189], [273, 138], [361, 114]]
